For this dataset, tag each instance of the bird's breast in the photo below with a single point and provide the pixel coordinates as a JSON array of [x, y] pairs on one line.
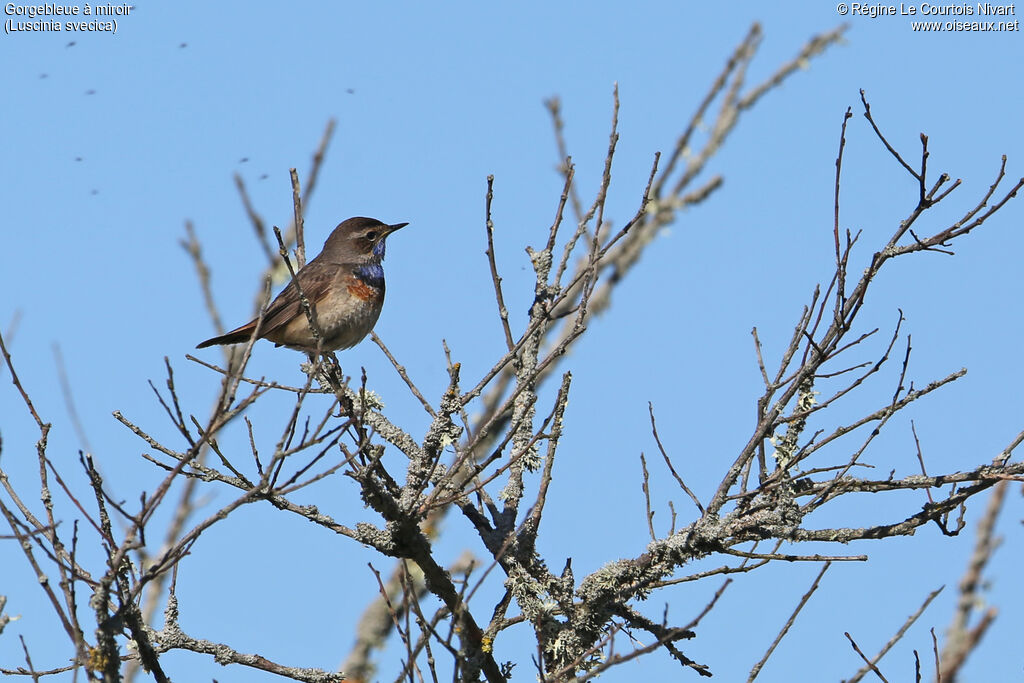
[[366, 286]]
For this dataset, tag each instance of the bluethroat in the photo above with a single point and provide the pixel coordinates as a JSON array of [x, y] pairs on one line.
[[345, 285]]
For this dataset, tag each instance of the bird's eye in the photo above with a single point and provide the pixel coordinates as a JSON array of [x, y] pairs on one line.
[[372, 235]]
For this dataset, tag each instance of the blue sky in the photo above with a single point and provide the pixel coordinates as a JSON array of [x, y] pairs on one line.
[[112, 143]]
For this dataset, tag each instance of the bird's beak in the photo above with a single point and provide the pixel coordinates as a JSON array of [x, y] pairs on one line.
[[396, 226]]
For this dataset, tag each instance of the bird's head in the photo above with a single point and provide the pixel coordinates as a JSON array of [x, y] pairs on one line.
[[358, 240]]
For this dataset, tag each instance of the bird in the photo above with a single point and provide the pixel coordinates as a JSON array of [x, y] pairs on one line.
[[344, 283]]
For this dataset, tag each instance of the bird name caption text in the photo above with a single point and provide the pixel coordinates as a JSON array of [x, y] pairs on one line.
[[54, 18]]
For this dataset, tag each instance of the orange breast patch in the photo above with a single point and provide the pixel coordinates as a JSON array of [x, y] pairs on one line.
[[359, 289]]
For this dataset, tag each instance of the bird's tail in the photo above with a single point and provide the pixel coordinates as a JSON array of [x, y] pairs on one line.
[[238, 336]]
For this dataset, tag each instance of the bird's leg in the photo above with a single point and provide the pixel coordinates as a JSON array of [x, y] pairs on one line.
[[321, 372]]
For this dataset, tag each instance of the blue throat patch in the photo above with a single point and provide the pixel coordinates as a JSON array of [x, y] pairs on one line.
[[372, 273]]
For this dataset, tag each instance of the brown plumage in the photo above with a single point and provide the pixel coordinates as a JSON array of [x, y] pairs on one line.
[[345, 283]]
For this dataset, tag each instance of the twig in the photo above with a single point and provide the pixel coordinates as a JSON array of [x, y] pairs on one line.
[[870, 665], [495, 278], [789, 623]]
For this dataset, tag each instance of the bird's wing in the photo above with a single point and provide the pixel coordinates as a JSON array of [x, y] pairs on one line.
[[316, 280]]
